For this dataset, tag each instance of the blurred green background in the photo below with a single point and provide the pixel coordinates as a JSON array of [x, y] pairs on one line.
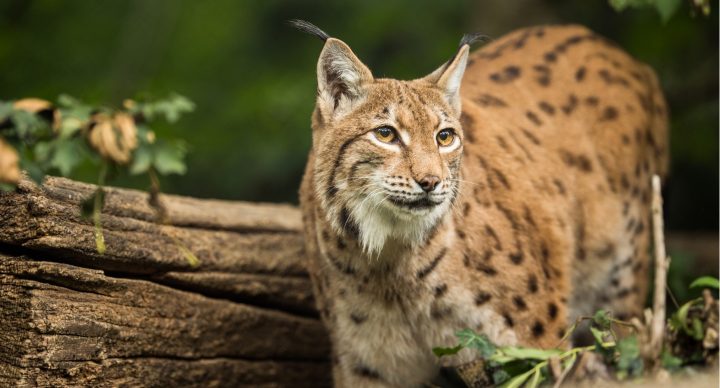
[[253, 79]]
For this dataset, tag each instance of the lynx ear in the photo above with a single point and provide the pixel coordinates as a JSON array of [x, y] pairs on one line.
[[448, 77], [342, 79]]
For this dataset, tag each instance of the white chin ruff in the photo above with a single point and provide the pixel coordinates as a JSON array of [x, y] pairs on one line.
[[379, 220]]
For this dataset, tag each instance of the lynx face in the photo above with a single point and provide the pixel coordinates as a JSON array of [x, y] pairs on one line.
[[388, 151]]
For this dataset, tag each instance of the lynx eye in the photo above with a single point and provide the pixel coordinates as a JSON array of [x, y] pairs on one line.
[[386, 134], [445, 137]]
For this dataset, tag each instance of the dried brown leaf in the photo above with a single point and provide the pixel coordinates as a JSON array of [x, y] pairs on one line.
[[32, 105], [113, 137], [9, 164]]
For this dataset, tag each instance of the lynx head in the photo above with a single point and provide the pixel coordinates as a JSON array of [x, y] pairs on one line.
[[386, 152]]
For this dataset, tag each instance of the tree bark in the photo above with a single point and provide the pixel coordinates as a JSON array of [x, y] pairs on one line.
[[141, 314]]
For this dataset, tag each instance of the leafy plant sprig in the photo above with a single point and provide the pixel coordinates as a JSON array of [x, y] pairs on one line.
[[40, 137], [692, 332]]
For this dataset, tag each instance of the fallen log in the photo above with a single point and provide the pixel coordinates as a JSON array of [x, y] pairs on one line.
[[141, 313]]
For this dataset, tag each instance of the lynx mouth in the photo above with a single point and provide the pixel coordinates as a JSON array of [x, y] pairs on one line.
[[419, 204]]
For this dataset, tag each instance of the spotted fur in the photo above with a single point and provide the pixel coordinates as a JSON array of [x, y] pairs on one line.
[[541, 213]]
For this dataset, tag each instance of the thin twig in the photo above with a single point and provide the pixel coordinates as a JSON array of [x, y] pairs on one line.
[[657, 328]]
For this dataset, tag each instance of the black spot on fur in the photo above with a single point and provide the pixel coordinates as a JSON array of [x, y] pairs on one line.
[[546, 107], [623, 293], [358, 318], [488, 100], [579, 161], [580, 74], [533, 118], [508, 320], [592, 101], [491, 233], [570, 106], [550, 57], [366, 372], [508, 74], [538, 329], [501, 177], [609, 113], [516, 258], [552, 311], [340, 266], [467, 123], [440, 290], [532, 284], [543, 74], [348, 224], [530, 136], [519, 302], [433, 264], [486, 269], [482, 297]]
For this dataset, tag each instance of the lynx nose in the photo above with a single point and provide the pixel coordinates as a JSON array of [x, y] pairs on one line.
[[428, 183]]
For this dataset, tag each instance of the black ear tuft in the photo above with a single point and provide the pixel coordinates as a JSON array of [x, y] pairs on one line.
[[309, 28], [469, 39]]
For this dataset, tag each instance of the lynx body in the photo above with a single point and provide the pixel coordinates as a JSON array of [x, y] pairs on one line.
[[506, 192]]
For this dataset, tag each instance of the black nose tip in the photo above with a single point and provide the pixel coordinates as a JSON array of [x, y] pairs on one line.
[[429, 183]]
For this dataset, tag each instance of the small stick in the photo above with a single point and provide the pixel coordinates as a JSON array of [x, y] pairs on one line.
[[657, 328]]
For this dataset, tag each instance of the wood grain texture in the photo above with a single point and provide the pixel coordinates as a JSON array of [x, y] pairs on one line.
[[140, 314]]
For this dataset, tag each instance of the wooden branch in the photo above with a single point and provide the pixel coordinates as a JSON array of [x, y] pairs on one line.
[[662, 262], [140, 313]]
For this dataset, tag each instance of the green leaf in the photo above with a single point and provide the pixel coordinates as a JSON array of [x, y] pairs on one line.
[[629, 360], [470, 339], [6, 109], [168, 158], [500, 376], [706, 282], [602, 319], [669, 361], [697, 329], [520, 353], [518, 381], [439, 352], [598, 335], [667, 8], [67, 155], [536, 379], [142, 160], [34, 169], [28, 125]]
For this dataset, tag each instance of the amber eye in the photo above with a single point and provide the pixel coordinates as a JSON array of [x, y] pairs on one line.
[[445, 137], [386, 134]]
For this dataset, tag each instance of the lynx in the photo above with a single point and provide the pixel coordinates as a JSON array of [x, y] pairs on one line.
[[506, 192]]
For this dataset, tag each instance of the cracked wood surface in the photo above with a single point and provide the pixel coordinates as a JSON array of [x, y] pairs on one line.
[[140, 314]]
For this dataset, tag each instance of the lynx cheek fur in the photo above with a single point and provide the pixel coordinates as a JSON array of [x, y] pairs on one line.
[[509, 208]]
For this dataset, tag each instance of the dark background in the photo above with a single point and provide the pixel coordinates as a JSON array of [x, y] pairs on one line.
[[253, 78]]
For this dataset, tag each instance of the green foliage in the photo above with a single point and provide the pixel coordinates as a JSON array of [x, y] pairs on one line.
[[59, 138], [666, 8], [629, 362], [602, 319], [705, 282], [513, 366]]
